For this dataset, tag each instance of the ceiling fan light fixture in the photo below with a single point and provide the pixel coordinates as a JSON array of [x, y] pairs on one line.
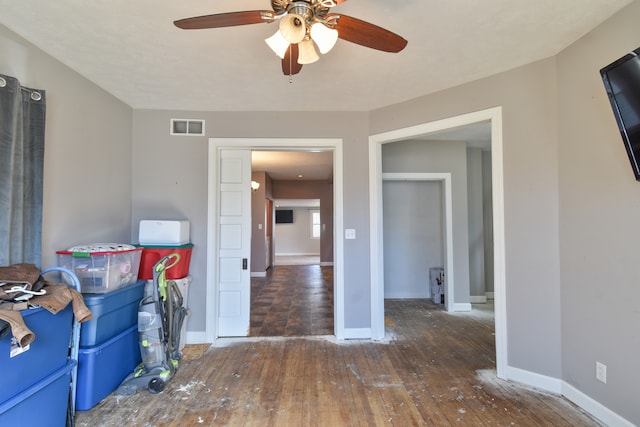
[[293, 28], [278, 44], [307, 52], [324, 37]]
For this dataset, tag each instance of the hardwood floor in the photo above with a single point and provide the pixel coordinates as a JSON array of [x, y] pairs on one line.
[[433, 369], [293, 300]]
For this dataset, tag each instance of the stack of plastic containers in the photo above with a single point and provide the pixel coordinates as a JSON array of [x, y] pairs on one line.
[[109, 349], [159, 238], [35, 384]]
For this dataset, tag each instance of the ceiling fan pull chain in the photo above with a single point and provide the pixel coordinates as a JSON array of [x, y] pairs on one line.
[[290, 66]]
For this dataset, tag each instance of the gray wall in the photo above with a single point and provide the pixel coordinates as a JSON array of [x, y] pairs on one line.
[[487, 216], [599, 228], [476, 223], [295, 238], [413, 236], [87, 163], [259, 239], [321, 190], [170, 179], [413, 227], [528, 98], [434, 156]]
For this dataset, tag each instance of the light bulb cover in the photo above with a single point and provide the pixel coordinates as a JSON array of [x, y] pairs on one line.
[[278, 44], [307, 52], [293, 28], [324, 37]]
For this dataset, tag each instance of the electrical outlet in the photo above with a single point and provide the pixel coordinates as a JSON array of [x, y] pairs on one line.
[[601, 372]]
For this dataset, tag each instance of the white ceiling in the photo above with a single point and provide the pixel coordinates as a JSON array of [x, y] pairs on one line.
[[133, 50], [294, 165]]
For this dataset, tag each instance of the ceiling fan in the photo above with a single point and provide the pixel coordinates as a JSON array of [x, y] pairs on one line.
[[304, 24]]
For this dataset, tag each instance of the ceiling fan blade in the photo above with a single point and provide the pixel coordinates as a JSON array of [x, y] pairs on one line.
[[366, 34], [290, 64], [229, 19]]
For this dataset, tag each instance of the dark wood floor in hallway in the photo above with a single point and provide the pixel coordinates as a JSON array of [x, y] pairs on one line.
[[433, 369], [292, 300]]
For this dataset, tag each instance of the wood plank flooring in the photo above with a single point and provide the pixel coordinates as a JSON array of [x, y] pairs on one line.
[[433, 369], [292, 300]]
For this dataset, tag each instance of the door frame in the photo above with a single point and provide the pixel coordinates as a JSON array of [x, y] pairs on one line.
[[213, 190], [494, 116]]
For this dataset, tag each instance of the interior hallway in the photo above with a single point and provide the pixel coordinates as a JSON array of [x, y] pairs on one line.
[[292, 300], [434, 369]]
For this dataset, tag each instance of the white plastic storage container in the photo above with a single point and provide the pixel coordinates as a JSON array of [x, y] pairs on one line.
[[102, 267], [161, 232]]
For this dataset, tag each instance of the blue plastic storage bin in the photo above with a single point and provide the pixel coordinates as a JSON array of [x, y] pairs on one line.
[[43, 404], [102, 368], [113, 313], [48, 352]]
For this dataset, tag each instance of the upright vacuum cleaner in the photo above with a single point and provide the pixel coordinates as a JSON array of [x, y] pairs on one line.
[[160, 317]]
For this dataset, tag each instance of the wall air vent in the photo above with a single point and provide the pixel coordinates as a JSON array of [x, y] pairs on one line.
[[193, 127]]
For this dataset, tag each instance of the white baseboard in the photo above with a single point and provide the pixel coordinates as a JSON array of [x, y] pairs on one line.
[[258, 274], [595, 408], [489, 295], [298, 254], [196, 337], [478, 299], [559, 387], [407, 295], [461, 306], [531, 379], [357, 333], [326, 264]]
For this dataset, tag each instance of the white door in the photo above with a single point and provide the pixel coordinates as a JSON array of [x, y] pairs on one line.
[[234, 243]]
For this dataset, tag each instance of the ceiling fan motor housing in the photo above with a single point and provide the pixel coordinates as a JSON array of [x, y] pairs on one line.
[[311, 10]]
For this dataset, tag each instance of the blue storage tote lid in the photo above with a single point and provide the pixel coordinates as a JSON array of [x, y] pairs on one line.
[[113, 312]]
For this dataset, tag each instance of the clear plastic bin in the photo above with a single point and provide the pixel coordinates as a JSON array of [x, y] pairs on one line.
[[102, 267]]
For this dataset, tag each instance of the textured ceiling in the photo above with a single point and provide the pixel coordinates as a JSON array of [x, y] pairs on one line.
[[133, 50], [294, 165]]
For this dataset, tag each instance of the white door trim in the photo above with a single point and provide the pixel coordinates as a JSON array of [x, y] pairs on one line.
[[215, 144], [494, 115], [445, 179]]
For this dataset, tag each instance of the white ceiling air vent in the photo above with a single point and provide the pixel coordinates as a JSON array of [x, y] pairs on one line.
[[193, 127]]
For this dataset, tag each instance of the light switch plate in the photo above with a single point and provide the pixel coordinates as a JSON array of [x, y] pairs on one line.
[[350, 233]]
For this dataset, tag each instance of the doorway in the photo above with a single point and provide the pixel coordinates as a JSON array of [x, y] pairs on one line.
[[414, 237], [294, 295], [494, 116], [216, 145]]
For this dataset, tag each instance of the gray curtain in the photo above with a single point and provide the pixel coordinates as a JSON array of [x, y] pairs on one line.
[[22, 118]]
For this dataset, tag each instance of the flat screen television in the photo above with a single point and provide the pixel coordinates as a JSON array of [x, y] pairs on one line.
[[622, 82], [284, 216]]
